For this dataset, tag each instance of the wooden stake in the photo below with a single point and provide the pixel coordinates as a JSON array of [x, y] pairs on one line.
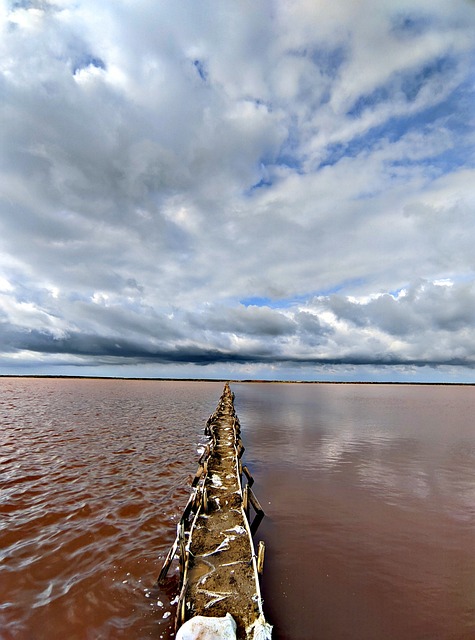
[[260, 557], [197, 477], [247, 473], [205, 500], [255, 502], [168, 561], [245, 501]]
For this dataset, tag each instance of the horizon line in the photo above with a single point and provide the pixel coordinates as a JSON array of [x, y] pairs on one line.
[[231, 380]]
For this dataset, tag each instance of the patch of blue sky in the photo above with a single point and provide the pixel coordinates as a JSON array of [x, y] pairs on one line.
[[289, 155], [409, 84], [87, 60], [451, 113], [406, 26], [263, 183], [262, 103], [327, 59], [23, 4], [265, 170], [287, 159], [369, 101], [412, 83], [461, 278], [256, 301], [269, 178], [395, 293], [291, 301], [444, 162], [201, 69], [290, 160]]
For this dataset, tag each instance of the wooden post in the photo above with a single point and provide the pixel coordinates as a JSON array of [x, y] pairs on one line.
[[256, 522], [245, 501], [205, 500], [204, 455], [247, 473], [197, 477], [255, 502], [182, 545], [260, 557], [168, 561]]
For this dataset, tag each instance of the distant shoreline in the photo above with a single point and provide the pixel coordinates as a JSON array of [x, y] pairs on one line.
[[245, 381]]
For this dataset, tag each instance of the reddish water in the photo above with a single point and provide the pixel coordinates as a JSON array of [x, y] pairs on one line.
[[369, 493], [94, 474], [370, 496]]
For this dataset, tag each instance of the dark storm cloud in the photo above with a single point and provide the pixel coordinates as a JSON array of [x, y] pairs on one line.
[[246, 321], [389, 330], [422, 307]]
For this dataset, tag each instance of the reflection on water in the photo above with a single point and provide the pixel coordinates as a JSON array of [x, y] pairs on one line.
[[369, 492]]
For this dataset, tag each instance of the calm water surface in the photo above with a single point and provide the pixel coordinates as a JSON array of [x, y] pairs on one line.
[[369, 492], [370, 496]]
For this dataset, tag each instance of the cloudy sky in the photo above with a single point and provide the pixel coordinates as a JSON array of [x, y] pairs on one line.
[[255, 189]]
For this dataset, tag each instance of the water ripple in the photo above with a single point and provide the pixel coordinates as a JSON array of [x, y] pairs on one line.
[[94, 475]]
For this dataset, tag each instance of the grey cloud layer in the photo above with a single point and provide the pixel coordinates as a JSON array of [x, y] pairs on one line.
[[425, 325], [160, 164]]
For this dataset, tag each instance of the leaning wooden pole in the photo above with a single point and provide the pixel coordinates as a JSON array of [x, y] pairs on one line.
[[219, 568]]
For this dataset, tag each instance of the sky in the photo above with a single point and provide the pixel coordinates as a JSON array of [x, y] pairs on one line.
[[243, 190]]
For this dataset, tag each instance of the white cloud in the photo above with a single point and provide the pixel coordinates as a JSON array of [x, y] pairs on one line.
[[161, 163]]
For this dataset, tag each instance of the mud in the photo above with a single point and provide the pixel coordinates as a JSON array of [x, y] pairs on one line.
[[218, 561]]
